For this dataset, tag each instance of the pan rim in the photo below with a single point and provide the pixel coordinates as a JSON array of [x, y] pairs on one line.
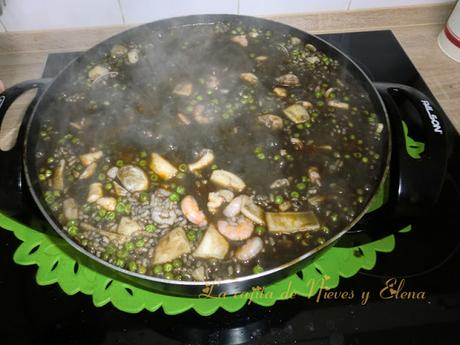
[[275, 273]]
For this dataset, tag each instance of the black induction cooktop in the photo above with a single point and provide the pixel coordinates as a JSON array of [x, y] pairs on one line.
[[425, 262]]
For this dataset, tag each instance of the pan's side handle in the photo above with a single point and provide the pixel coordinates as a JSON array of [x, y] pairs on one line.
[[11, 196], [414, 182]]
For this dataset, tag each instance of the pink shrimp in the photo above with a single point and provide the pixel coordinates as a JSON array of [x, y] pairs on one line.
[[239, 230], [192, 211]]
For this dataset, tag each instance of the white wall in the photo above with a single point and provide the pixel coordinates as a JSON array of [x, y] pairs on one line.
[[20, 15]]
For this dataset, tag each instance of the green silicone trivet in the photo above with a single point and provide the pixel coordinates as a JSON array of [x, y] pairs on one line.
[[74, 272]]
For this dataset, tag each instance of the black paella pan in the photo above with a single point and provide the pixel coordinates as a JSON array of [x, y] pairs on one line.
[[127, 94]]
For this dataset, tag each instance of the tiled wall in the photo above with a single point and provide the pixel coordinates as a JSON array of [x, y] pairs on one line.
[[20, 15]]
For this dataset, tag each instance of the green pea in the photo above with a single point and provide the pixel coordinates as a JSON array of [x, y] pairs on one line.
[[180, 175], [214, 167], [360, 199], [110, 215], [132, 266], [140, 243], [153, 177], [259, 230], [73, 230], [42, 177], [119, 163], [50, 160], [180, 190], [276, 157], [298, 236], [325, 229], [143, 154], [167, 267], [120, 208], [157, 269], [174, 197], [122, 253], [120, 262], [257, 269], [334, 217], [169, 276], [143, 163], [110, 249], [261, 156], [72, 222], [183, 167], [108, 186], [150, 228], [300, 126], [143, 197], [279, 199], [305, 179], [177, 263], [320, 240], [364, 160], [301, 186], [258, 149], [178, 277], [191, 235], [101, 213], [289, 157], [129, 246], [142, 269], [50, 199], [295, 195]]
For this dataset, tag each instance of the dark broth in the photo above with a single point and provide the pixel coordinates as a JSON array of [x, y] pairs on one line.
[[332, 161]]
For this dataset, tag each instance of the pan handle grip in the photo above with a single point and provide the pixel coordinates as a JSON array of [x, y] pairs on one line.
[[11, 179], [415, 181]]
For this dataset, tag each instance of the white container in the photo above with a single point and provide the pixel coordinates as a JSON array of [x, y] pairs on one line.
[[449, 38]]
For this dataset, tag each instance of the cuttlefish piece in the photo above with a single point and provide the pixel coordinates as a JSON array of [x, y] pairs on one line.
[[70, 209], [290, 222], [97, 72], [289, 79], [271, 121], [58, 176], [89, 171], [241, 40], [183, 89], [91, 157], [95, 192], [250, 78], [206, 159], [228, 180]]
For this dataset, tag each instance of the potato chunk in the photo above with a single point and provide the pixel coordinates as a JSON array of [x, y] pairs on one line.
[[162, 167], [171, 246], [213, 245]]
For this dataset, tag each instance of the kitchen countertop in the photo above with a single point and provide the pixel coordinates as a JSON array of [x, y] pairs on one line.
[[23, 54]]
